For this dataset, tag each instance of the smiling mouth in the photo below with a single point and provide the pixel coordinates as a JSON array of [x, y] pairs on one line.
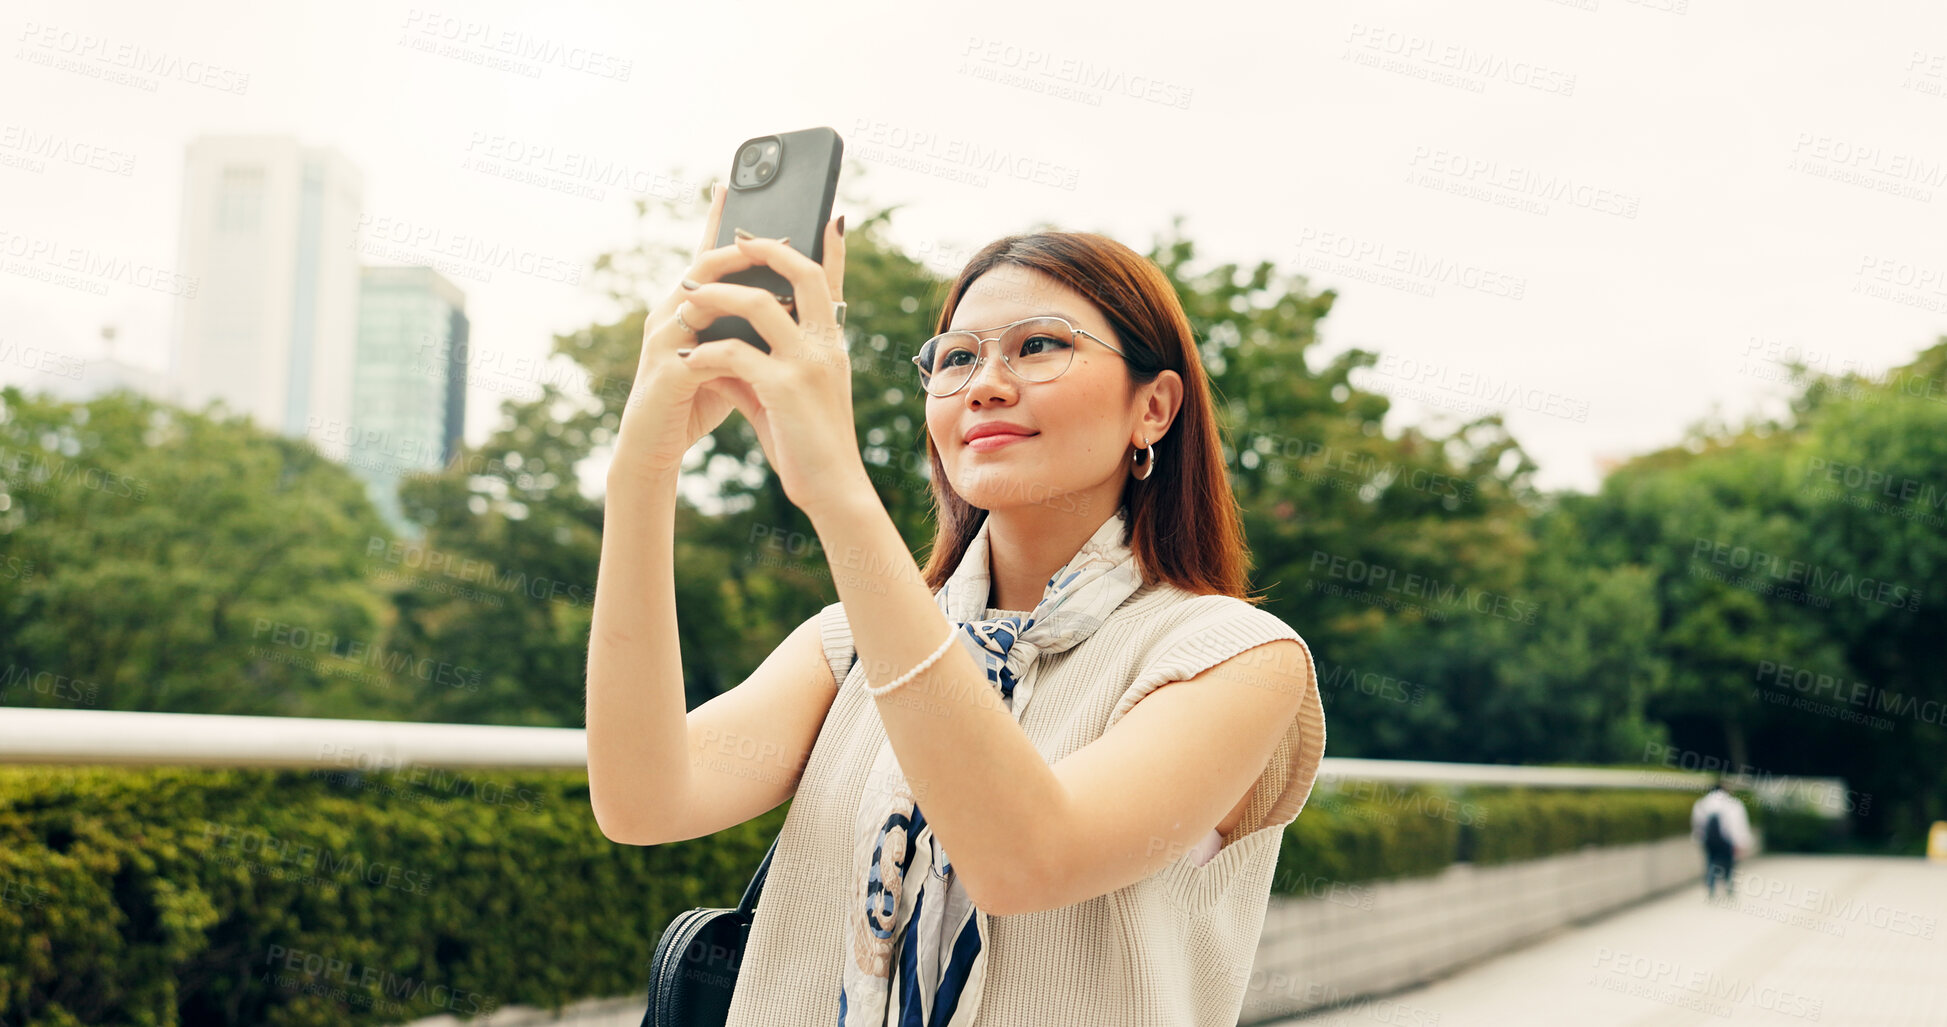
[[998, 439]]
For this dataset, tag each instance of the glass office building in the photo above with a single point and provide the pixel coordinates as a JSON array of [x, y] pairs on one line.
[[409, 380]]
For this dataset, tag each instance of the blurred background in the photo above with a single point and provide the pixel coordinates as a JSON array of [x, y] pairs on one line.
[[1618, 328]]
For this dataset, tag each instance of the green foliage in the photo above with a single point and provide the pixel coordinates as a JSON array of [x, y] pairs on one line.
[[144, 549], [1846, 501], [1528, 823], [177, 896], [1352, 840], [1377, 832], [1321, 485], [172, 895], [1800, 831]]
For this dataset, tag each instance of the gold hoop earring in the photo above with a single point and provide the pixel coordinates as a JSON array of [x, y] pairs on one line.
[[1149, 462]]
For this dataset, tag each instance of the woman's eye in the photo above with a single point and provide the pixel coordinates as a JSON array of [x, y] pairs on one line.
[[1049, 339]]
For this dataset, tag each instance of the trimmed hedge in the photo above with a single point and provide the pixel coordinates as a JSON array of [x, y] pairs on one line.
[[167, 896], [1802, 831], [1368, 833], [1371, 831], [1529, 823], [290, 897]]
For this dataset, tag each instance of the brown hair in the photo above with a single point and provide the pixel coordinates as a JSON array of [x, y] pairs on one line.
[[1184, 524]]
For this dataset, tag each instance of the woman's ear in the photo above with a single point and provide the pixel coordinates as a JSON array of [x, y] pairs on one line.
[[1165, 402]]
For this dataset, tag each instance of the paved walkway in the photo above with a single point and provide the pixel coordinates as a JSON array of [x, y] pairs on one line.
[[1847, 941], [1808, 940], [594, 1012]]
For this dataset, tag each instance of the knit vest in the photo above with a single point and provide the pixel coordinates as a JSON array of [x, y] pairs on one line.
[[1172, 950]]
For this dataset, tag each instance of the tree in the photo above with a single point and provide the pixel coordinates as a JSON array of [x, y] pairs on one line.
[[157, 559], [1796, 559]]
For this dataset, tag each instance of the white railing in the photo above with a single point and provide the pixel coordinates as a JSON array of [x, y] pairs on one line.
[[29, 735], [1825, 795], [210, 740]]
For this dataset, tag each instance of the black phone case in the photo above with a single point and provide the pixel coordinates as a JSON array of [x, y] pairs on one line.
[[795, 203]]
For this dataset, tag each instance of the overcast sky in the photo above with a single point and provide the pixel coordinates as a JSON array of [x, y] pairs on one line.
[[1601, 215]]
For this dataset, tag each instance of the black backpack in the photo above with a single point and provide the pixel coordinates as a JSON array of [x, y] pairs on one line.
[[693, 972], [1714, 836]]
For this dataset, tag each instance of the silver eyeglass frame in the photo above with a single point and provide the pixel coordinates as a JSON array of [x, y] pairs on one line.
[[983, 335]]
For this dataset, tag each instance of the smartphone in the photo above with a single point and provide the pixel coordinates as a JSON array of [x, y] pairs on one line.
[[780, 186]]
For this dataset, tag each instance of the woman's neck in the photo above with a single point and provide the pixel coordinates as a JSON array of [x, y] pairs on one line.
[[1023, 552]]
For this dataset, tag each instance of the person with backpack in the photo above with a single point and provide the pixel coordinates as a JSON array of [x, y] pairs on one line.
[[1718, 822]]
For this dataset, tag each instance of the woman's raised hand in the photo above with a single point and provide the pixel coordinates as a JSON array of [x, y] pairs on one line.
[[670, 406], [799, 395]]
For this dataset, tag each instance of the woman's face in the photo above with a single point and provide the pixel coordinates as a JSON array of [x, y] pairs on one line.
[[1083, 422]]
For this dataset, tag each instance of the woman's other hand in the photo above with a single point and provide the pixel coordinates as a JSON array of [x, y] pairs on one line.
[[799, 395], [671, 406]]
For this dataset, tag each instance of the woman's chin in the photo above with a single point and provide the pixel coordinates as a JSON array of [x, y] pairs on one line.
[[985, 481], [991, 489]]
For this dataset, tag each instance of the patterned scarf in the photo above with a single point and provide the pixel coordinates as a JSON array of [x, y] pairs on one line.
[[917, 955]]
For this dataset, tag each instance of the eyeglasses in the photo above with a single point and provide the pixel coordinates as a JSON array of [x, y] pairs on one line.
[[1038, 349]]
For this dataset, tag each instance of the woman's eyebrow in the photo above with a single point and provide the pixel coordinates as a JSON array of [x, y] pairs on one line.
[[1064, 315]]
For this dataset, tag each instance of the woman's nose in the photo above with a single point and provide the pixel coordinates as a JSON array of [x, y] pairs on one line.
[[990, 364]]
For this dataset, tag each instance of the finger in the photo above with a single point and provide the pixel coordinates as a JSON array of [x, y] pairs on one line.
[[734, 358], [807, 279], [738, 394], [835, 258], [733, 390], [712, 222], [709, 266], [743, 399], [665, 334], [758, 306]]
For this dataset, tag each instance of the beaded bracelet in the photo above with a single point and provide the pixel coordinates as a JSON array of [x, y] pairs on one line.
[[908, 676]]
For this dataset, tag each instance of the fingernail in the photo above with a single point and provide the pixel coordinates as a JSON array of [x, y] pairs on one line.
[[688, 284], [686, 351], [784, 240], [841, 224], [741, 234]]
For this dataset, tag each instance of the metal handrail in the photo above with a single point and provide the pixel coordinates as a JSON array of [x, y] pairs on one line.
[[74, 737], [216, 740], [1825, 795]]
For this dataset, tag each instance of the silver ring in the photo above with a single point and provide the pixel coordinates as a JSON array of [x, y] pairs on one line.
[[680, 323], [838, 312]]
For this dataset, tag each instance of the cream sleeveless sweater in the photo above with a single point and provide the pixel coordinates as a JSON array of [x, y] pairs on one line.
[[1172, 950]]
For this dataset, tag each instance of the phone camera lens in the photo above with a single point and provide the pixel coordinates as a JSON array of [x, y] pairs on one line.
[[750, 155], [764, 171]]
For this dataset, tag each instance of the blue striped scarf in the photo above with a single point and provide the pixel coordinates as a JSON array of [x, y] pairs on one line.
[[916, 956]]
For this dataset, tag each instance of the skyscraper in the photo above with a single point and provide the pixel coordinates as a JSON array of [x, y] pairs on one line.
[[268, 226], [409, 382]]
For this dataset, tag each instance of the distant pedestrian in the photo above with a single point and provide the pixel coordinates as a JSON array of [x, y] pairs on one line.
[[1718, 822]]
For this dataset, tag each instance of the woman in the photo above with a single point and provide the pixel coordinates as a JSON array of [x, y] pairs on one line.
[[1026, 827]]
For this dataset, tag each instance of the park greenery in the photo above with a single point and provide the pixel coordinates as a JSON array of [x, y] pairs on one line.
[[342, 896], [1761, 597]]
